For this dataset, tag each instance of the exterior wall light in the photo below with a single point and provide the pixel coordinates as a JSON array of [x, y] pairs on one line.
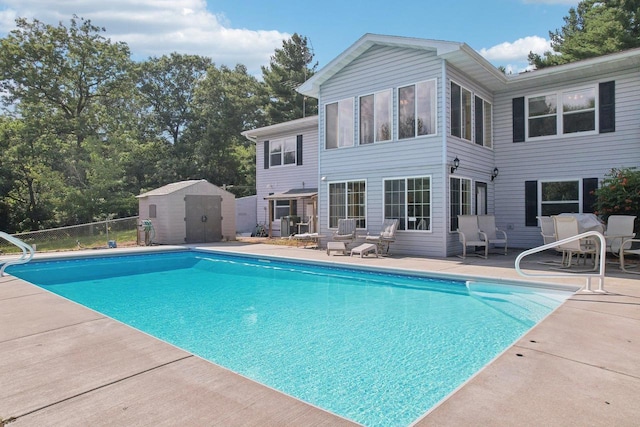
[[456, 163], [494, 174]]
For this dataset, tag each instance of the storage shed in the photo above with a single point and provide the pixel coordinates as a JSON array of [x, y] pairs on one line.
[[193, 211]]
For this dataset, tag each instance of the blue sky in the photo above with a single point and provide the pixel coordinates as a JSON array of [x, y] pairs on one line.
[[248, 31]]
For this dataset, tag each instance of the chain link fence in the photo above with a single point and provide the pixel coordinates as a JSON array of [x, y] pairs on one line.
[[102, 234]]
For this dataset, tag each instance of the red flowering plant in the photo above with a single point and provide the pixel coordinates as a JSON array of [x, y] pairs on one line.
[[619, 194]]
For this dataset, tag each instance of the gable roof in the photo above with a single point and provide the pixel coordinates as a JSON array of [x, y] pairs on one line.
[[470, 62], [458, 54], [173, 187]]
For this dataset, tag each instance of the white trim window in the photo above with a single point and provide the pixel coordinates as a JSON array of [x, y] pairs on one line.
[[375, 117], [417, 111], [459, 199], [408, 200], [282, 152], [565, 112], [347, 199], [339, 124], [483, 116], [558, 197], [284, 208], [461, 112]]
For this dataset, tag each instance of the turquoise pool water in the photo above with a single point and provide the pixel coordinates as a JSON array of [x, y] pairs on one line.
[[380, 349]]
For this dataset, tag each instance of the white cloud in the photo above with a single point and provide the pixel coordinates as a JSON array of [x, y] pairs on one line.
[[567, 2], [513, 55], [157, 27]]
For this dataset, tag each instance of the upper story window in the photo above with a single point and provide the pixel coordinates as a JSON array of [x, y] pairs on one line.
[[561, 113], [417, 110], [282, 152], [483, 134], [339, 124], [460, 112], [375, 117]]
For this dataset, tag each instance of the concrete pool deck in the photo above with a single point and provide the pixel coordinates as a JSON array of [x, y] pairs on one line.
[[63, 364]]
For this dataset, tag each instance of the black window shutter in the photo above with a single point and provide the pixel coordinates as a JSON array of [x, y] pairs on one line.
[[607, 105], [589, 186], [518, 119], [456, 118], [299, 150], [531, 203], [266, 154]]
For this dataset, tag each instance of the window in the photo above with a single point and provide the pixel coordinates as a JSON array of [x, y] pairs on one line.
[[375, 117], [339, 124], [152, 211], [460, 199], [284, 208], [347, 200], [460, 112], [417, 110], [282, 152], [557, 197], [577, 113], [483, 122], [409, 200]]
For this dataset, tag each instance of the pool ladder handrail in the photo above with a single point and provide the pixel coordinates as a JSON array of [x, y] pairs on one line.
[[27, 252], [600, 274]]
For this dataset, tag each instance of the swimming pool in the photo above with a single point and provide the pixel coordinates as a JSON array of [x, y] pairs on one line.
[[374, 347]]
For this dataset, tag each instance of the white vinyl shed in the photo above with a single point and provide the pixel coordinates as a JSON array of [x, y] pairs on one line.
[[193, 211]]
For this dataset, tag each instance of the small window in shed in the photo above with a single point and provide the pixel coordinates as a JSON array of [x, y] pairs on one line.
[[152, 211]]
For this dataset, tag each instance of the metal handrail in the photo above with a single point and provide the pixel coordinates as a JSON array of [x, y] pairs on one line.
[[589, 276], [27, 252]]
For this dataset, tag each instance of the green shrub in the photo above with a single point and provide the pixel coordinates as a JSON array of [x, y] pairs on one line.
[[619, 194]]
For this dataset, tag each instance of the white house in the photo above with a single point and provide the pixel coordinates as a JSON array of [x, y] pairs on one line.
[[425, 130]]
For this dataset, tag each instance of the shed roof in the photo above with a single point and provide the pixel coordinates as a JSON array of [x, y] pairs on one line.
[[172, 188]]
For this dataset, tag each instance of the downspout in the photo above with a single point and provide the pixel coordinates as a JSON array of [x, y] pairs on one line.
[[445, 176]]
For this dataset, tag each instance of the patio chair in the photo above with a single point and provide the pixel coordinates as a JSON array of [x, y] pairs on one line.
[[386, 237], [487, 224], [548, 232], [627, 249], [469, 234], [567, 226], [619, 228], [346, 232]]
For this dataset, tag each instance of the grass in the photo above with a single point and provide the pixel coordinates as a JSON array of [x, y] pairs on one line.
[[122, 238]]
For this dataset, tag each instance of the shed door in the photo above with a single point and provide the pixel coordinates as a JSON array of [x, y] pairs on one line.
[[203, 218]]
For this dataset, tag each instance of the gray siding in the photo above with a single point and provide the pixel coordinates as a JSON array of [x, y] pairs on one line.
[[571, 157], [377, 69], [476, 162]]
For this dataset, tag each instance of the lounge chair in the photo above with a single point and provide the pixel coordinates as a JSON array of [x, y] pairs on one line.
[[346, 232], [619, 228], [567, 226], [469, 234], [487, 224], [386, 237]]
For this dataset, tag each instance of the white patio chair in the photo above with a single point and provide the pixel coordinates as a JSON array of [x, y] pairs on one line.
[[619, 228], [567, 226], [487, 224], [548, 232], [469, 234], [386, 237]]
